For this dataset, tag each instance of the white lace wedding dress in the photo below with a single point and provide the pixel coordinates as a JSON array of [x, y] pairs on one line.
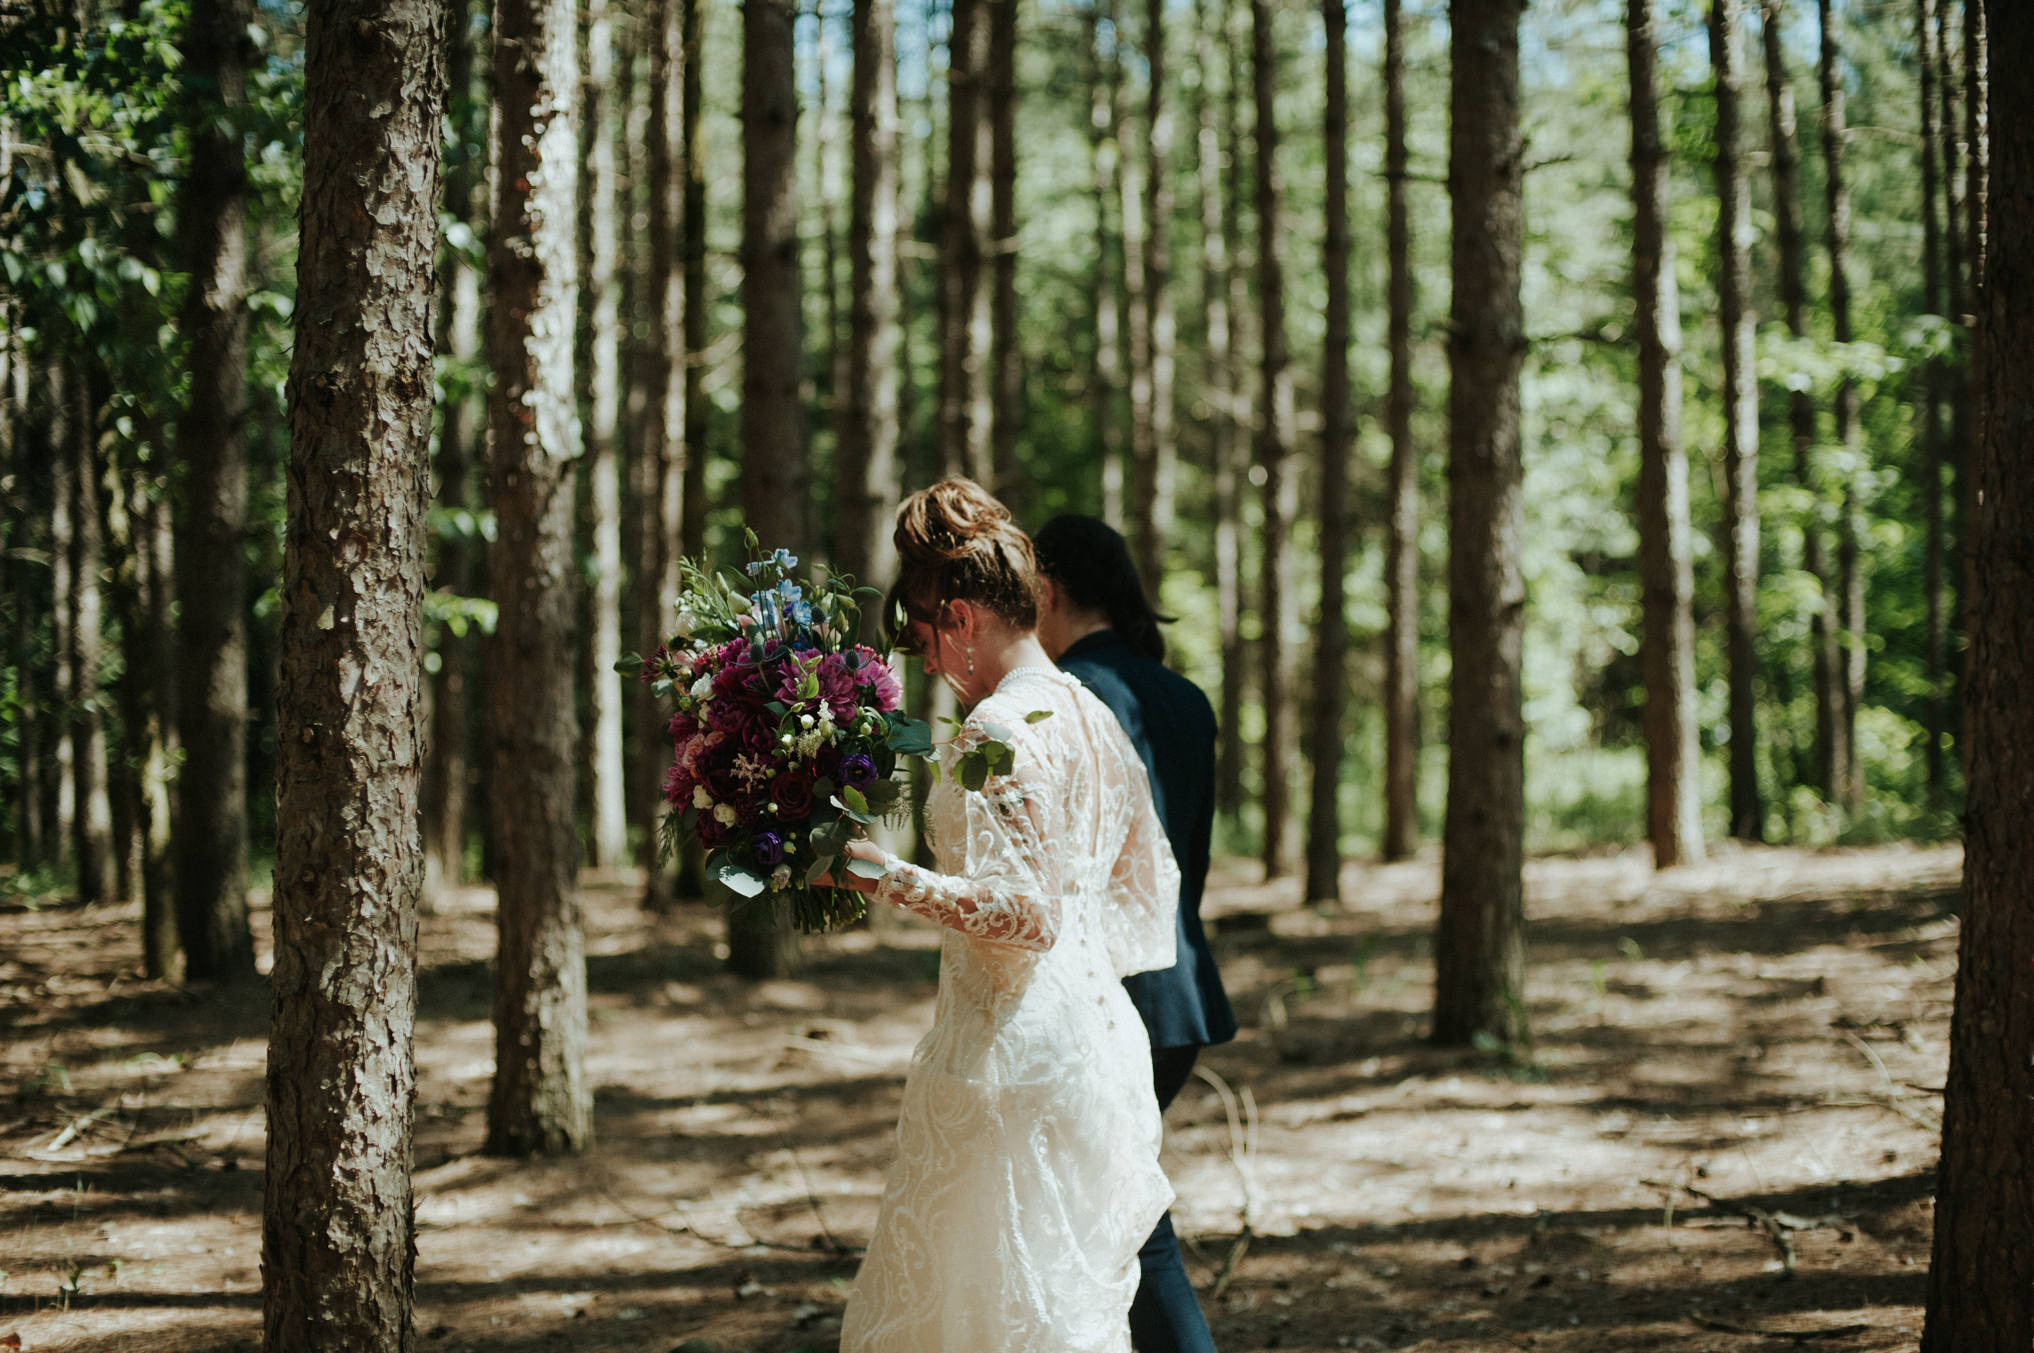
[[1027, 1170]]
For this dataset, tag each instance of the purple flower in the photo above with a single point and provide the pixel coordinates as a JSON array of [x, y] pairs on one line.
[[768, 848], [857, 770]]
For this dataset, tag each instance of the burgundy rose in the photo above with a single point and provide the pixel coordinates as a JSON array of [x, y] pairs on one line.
[[793, 796], [712, 833]]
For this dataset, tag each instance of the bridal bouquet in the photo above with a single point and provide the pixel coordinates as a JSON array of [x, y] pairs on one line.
[[785, 737]]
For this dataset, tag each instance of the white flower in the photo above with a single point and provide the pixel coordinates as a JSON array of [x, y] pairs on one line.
[[780, 877], [687, 622], [724, 814], [805, 721], [700, 798], [703, 687]]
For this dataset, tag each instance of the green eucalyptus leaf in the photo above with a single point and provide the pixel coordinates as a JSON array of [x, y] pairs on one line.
[[867, 869]]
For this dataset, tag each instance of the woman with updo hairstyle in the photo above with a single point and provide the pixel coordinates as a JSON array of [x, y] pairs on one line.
[[1026, 1176]]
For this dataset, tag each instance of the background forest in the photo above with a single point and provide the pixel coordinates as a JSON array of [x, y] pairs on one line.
[[145, 478]]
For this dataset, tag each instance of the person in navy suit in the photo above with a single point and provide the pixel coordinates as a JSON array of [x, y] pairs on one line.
[[1096, 623]]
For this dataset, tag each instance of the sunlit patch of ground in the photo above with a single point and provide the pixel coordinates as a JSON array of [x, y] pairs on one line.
[[1722, 1134]]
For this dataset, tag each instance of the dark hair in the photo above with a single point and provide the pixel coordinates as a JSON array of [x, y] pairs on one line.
[[1088, 560], [955, 542]]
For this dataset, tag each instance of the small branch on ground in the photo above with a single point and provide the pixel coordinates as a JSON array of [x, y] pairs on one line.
[[1802, 1336], [1242, 1115]]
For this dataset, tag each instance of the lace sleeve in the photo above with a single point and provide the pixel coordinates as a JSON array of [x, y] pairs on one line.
[[1141, 926], [1008, 888]]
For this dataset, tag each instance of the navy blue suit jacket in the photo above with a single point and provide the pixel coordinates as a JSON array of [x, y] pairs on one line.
[[1173, 729]]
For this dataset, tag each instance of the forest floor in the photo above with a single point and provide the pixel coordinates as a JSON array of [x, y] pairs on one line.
[[1722, 1140]]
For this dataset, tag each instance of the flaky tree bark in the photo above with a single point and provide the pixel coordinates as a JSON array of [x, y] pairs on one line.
[[1740, 545], [212, 716], [866, 481], [1154, 488], [1981, 1280], [966, 401], [1480, 946], [1108, 378], [1402, 546], [1277, 604], [338, 1234], [1825, 662], [1849, 578], [1331, 633], [776, 472], [540, 1102], [607, 89], [1227, 431]]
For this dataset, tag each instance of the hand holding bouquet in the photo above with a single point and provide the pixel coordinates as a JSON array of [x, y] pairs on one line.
[[785, 737]]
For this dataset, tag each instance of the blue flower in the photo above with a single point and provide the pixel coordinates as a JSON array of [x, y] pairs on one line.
[[857, 770], [768, 848]]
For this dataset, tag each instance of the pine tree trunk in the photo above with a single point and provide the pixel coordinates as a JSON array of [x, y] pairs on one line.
[[1740, 544], [212, 707], [338, 1230], [692, 256], [1225, 440], [1131, 167], [666, 453], [866, 471], [448, 757], [59, 410], [1673, 794], [1981, 1279], [157, 556], [1274, 457], [775, 469], [1976, 189], [1402, 548], [1849, 772], [92, 840], [1331, 633], [965, 399], [1479, 950], [1107, 378], [832, 355], [1825, 662], [25, 580], [540, 1102], [1155, 490], [143, 619], [1006, 347], [1231, 754], [1935, 718], [607, 94]]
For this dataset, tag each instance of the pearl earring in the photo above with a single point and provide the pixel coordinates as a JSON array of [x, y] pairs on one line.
[[971, 662]]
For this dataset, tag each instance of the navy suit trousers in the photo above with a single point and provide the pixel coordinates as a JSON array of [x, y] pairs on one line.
[[1165, 1316]]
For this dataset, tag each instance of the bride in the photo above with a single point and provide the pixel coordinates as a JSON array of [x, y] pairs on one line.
[[1027, 1170]]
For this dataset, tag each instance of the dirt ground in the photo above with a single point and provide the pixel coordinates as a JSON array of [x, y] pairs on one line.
[[1723, 1138]]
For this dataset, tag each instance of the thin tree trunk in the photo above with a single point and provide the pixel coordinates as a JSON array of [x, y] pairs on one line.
[[607, 93], [692, 529], [1479, 949], [1402, 548], [1935, 719], [143, 619], [1274, 457], [212, 706], [1107, 379], [965, 400], [1849, 581], [1006, 348], [833, 352], [1955, 377], [1825, 661], [666, 454], [157, 545], [540, 1102], [31, 839], [63, 608], [92, 844], [1976, 189], [1740, 545], [1331, 633], [1132, 168], [1673, 793], [1236, 665], [1155, 490], [1211, 24], [1981, 1278], [338, 1229], [866, 481], [775, 469], [447, 759]]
